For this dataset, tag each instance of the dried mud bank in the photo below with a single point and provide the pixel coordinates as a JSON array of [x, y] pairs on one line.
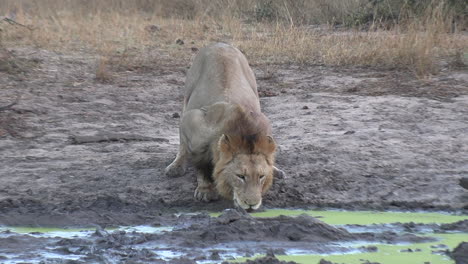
[[75, 151], [411, 227]]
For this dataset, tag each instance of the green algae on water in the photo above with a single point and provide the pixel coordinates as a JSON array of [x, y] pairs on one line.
[[388, 254], [339, 217]]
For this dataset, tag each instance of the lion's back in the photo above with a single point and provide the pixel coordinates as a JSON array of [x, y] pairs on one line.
[[220, 73]]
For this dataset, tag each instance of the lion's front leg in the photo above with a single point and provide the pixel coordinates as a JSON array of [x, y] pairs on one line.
[[205, 190], [178, 166]]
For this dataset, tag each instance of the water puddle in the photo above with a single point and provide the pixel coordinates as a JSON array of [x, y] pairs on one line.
[[387, 254], [51, 232], [369, 221], [148, 243], [341, 217]]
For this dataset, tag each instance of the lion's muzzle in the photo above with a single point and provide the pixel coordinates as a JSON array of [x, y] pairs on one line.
[[252, 202]]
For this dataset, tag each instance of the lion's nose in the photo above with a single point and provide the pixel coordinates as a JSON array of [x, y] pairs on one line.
[[250, 203]]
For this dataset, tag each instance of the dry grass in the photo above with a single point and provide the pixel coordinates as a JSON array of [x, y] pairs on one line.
[[127, 31], [103, 74]]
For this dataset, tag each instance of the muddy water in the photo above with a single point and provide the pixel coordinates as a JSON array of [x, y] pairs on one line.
[[338, 236], [388, 254], [341, 217], [431, 252]]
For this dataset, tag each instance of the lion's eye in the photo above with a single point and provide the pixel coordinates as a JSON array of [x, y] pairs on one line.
[[242, 177], [262, 177]]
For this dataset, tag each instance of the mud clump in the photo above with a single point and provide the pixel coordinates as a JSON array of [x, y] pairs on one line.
[[268, 259], [464, 182], [460, 253], [236, 226], [460, 226], [393, 237], [324, 261]]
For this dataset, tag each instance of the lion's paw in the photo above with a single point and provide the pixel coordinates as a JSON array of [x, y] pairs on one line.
[[205, 194], [174, 171]]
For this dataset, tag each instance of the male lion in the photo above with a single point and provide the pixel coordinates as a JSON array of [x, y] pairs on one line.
[[223, 132]]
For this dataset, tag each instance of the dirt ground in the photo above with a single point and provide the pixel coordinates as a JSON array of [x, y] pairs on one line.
[[75, 151]]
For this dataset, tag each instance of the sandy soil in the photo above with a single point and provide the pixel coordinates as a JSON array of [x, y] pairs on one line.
[[75, 151]]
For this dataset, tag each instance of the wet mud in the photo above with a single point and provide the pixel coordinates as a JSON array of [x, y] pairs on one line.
[[270, 258], [197, 238], [460, 253]]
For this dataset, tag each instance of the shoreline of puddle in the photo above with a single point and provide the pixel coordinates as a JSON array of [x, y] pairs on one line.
[[352, 221]]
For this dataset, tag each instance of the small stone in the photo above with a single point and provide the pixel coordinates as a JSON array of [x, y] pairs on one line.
[[152, 28], [273, 252], [352, 90], [369, 262], [179, 42], [100, 232], [441, 252], [194, 49], [232, 215], [439, 246], [369, 248], [349, 132], [372, 248], [175, 115], [305, 107], [215, 255], [464, 182]]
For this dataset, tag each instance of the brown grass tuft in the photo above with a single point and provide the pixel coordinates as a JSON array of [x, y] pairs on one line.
[[103, 75]]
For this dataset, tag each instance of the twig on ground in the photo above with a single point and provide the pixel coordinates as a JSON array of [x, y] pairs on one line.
[[112, 137], [14, 23], [8, 107]]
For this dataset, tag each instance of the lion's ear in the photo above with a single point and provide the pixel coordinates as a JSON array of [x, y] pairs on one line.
[[271, 144], [228, 144], [265, 145], [224, 143], [277, 173]]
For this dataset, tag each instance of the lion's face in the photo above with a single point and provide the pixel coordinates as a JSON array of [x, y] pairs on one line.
[[248, 176], [244, 176]]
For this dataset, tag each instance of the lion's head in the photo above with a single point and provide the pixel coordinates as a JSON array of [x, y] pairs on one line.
[[245, 167]]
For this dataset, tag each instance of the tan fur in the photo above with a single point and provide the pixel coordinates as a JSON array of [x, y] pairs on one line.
[[243, 135], [223, 132]]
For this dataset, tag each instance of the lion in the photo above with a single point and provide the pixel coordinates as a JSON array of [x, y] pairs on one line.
[[223, 132]]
